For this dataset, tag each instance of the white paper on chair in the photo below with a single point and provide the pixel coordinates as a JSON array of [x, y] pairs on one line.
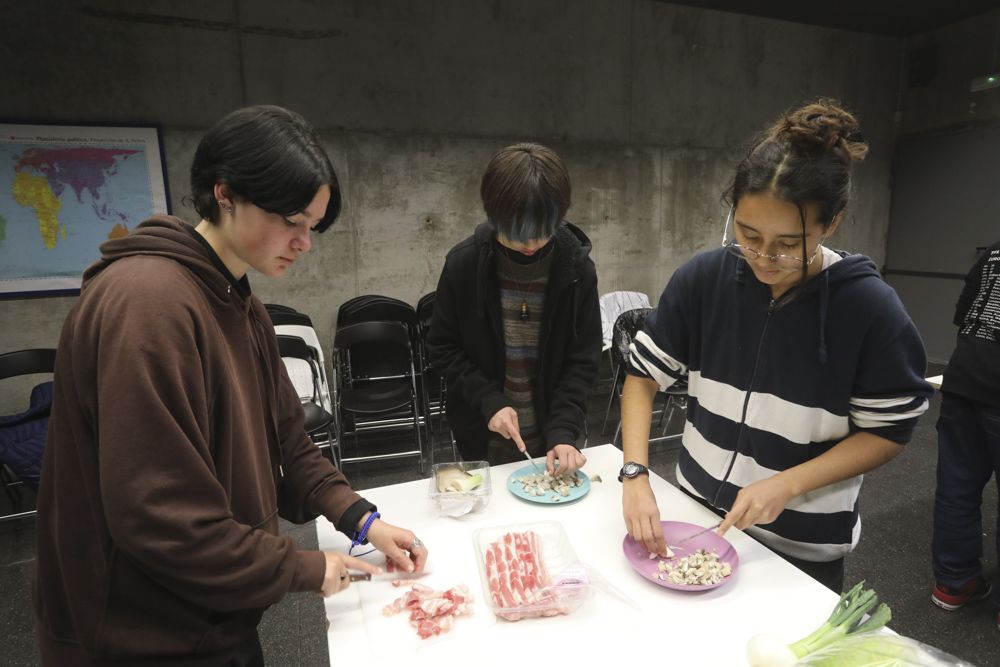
[[301, 376]]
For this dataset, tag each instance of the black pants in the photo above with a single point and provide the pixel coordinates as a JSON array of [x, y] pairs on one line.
[[249, 653], [828, 573], [968, 456]]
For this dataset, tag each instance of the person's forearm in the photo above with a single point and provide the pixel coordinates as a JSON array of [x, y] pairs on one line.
[[636, 413], [855, 455]]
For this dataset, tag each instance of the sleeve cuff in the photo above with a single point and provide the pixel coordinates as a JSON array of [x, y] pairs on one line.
[[559, 437], [493, 403], [348, 524], [310, 570]]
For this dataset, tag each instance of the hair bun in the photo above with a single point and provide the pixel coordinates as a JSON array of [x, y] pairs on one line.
[[822, 126]]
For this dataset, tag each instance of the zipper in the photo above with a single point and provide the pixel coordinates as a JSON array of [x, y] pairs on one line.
[[746, 404]]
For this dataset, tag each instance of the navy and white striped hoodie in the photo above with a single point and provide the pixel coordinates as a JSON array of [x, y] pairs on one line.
[[774, 385]]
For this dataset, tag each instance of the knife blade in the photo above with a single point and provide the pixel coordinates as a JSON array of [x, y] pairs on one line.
[[694, 535], [397, 575], [532, 461]]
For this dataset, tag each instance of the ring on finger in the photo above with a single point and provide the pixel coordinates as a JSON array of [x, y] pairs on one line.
[[416, 543]]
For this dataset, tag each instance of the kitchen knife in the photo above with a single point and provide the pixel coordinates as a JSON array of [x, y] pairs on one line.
[[694, 535]]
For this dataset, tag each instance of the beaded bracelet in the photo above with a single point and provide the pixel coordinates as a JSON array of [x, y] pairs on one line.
[[361, 536]]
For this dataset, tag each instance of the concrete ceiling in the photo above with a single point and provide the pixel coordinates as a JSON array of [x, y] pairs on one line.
[[883, 17]]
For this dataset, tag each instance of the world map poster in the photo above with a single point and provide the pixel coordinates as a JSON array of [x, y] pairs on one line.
[[65, 190]]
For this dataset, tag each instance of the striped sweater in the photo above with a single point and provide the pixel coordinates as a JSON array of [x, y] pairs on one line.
[[772, 387], [523, 282]]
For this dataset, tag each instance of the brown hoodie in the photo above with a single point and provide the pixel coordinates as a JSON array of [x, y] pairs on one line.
[[175, 440]]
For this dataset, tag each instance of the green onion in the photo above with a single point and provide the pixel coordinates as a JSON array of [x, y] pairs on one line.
[[846, 619]]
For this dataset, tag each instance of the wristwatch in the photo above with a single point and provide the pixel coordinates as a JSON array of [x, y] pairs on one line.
[[631, 469]]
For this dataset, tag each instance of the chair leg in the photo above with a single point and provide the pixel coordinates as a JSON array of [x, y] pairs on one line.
[[332, 444], [12, 492], [430, 446], [669, 415], [425, 404], [414, 404], [611, 398], [663, 411]]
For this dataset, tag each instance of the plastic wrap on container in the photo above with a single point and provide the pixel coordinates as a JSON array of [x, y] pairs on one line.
[[880, 649], [530, 571], [458, 503]]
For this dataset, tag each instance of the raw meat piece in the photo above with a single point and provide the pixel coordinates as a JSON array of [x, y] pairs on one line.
[[432, 612], [518, 580]]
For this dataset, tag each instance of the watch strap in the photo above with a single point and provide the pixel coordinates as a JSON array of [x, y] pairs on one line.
[[640, 470]]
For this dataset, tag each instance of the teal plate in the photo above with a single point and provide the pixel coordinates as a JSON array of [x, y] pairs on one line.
[[550, 497]]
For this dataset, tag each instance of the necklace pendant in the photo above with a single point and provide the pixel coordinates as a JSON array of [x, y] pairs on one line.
[[524, 311]]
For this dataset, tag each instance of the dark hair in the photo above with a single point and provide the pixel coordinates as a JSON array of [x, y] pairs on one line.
[[806, 156], [267, 155], [525, 192]]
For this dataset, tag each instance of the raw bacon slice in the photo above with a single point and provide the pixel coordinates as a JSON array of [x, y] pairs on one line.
[[518, 580], [432, 612]]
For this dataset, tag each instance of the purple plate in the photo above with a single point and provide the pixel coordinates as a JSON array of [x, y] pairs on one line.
[[674, 531]]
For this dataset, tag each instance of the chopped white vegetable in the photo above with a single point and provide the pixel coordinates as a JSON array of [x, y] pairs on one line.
[[539, 485], [702, 568]]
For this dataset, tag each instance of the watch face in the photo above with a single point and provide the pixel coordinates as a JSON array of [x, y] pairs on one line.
[[631, 469]]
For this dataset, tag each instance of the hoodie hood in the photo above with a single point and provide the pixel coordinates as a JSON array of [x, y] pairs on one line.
[[572, 251], [172, 238], [848, 268], [571, 241]]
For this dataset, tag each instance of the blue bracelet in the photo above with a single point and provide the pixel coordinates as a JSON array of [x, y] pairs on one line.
[[361, 537]]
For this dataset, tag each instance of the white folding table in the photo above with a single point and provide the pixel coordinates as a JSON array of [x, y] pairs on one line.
[[655, 626]]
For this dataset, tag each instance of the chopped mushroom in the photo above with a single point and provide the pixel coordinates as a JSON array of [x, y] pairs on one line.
[[540, 484], [702, 568]]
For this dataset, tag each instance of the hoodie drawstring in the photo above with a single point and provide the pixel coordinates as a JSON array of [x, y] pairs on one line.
[[824, 300]]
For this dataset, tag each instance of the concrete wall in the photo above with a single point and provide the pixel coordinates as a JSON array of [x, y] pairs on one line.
[[649, 103], [938, 228], [961, 51]]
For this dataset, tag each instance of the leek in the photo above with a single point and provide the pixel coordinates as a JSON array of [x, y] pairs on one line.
[[456, 480], [847, 618]]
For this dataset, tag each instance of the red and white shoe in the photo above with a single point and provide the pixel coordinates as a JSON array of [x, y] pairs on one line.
[[950, 599]]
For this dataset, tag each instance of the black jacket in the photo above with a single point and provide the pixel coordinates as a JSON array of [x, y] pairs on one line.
[[466, 346]]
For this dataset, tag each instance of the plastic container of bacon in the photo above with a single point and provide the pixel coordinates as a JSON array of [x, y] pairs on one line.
[[530, 571]]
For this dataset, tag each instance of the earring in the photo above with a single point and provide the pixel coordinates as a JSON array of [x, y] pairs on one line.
[[227, 209]]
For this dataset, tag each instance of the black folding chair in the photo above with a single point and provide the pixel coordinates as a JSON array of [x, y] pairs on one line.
[[379, 308], [375, 385], [432, 384], [273, 308], [318, 421], [626, 327], [15, 364]]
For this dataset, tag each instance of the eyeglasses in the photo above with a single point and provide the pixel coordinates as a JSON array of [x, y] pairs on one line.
[[781, 262]]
